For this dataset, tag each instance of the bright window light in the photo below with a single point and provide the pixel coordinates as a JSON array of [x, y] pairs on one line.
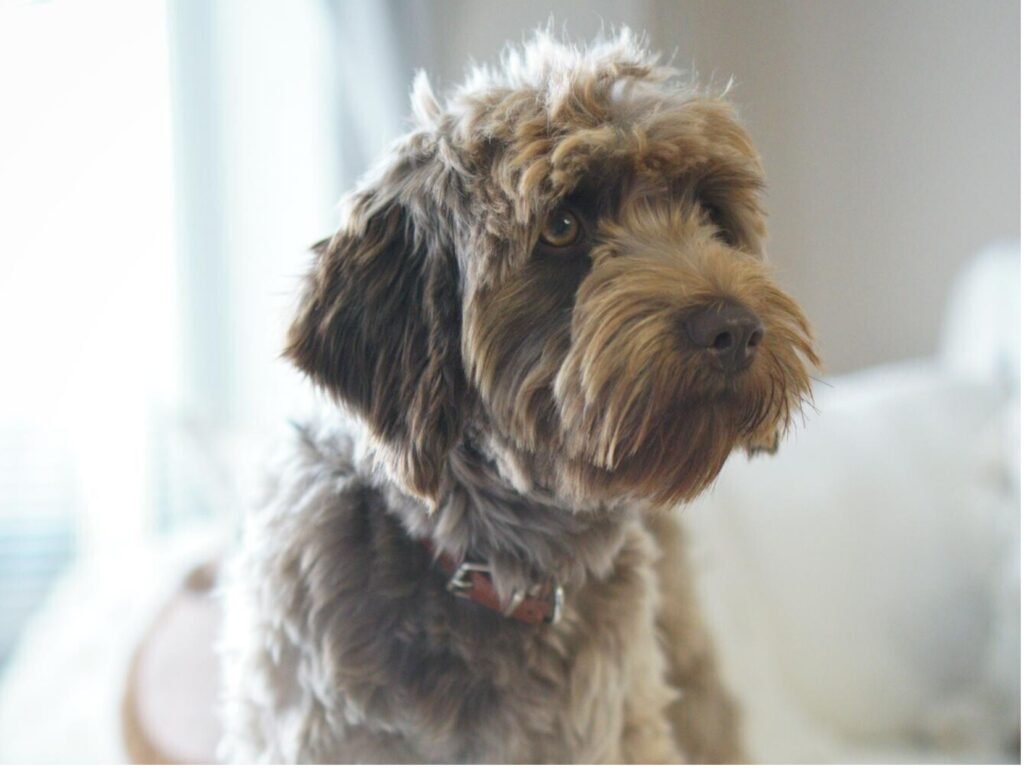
[[87, 282]]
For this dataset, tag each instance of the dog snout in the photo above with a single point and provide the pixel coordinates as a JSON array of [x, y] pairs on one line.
[[730, 332]]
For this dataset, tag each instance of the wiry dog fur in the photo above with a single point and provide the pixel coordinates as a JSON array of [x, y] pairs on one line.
[[526, 405]]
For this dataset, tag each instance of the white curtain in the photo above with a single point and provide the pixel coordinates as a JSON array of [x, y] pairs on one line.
[[164, 167], [86, 283], [278, 108]]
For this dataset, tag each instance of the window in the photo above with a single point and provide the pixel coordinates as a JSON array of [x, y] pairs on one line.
[[87, 285]]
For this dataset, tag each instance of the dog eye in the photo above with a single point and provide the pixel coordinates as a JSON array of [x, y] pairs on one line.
[[722, 231], [561, 229]]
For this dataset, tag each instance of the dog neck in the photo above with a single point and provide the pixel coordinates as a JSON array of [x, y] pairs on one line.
[[523, 536]]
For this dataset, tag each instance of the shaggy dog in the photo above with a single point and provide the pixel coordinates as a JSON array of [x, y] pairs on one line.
[[548, 312]]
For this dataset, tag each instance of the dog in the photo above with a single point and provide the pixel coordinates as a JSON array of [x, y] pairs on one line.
[[548, 320]]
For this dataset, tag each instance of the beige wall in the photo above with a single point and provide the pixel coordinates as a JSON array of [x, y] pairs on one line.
[[890, 133], [889, 130]]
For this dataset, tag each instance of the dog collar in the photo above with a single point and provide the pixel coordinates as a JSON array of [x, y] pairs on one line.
[[540, 603]]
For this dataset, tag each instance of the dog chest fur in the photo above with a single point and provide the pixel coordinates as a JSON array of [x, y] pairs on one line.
[[353, 647]]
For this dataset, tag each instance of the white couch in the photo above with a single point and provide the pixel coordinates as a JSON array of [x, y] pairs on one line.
[[864, 584]]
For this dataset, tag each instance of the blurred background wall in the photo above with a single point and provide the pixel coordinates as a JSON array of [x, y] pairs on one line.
[[890, 135]]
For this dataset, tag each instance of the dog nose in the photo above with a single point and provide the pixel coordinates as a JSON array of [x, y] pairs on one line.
[[729, 331]]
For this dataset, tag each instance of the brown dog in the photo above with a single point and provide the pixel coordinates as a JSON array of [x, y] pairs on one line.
[[549, 314]]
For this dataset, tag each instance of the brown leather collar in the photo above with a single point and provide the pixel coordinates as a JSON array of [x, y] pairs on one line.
[[541, 603]]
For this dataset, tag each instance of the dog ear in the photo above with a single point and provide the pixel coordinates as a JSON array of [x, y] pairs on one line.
[[379, 327]]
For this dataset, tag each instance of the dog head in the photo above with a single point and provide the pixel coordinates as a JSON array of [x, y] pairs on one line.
[[563, 261]]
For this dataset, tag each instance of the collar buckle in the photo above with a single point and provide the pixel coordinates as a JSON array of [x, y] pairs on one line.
[[461, 582], [541, 603], [559, 600]]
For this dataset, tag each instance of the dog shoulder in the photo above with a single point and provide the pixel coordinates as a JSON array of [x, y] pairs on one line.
[[294, 581]]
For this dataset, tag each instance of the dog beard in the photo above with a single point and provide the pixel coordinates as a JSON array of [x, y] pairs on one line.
[[643, 411], [616, 401]]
